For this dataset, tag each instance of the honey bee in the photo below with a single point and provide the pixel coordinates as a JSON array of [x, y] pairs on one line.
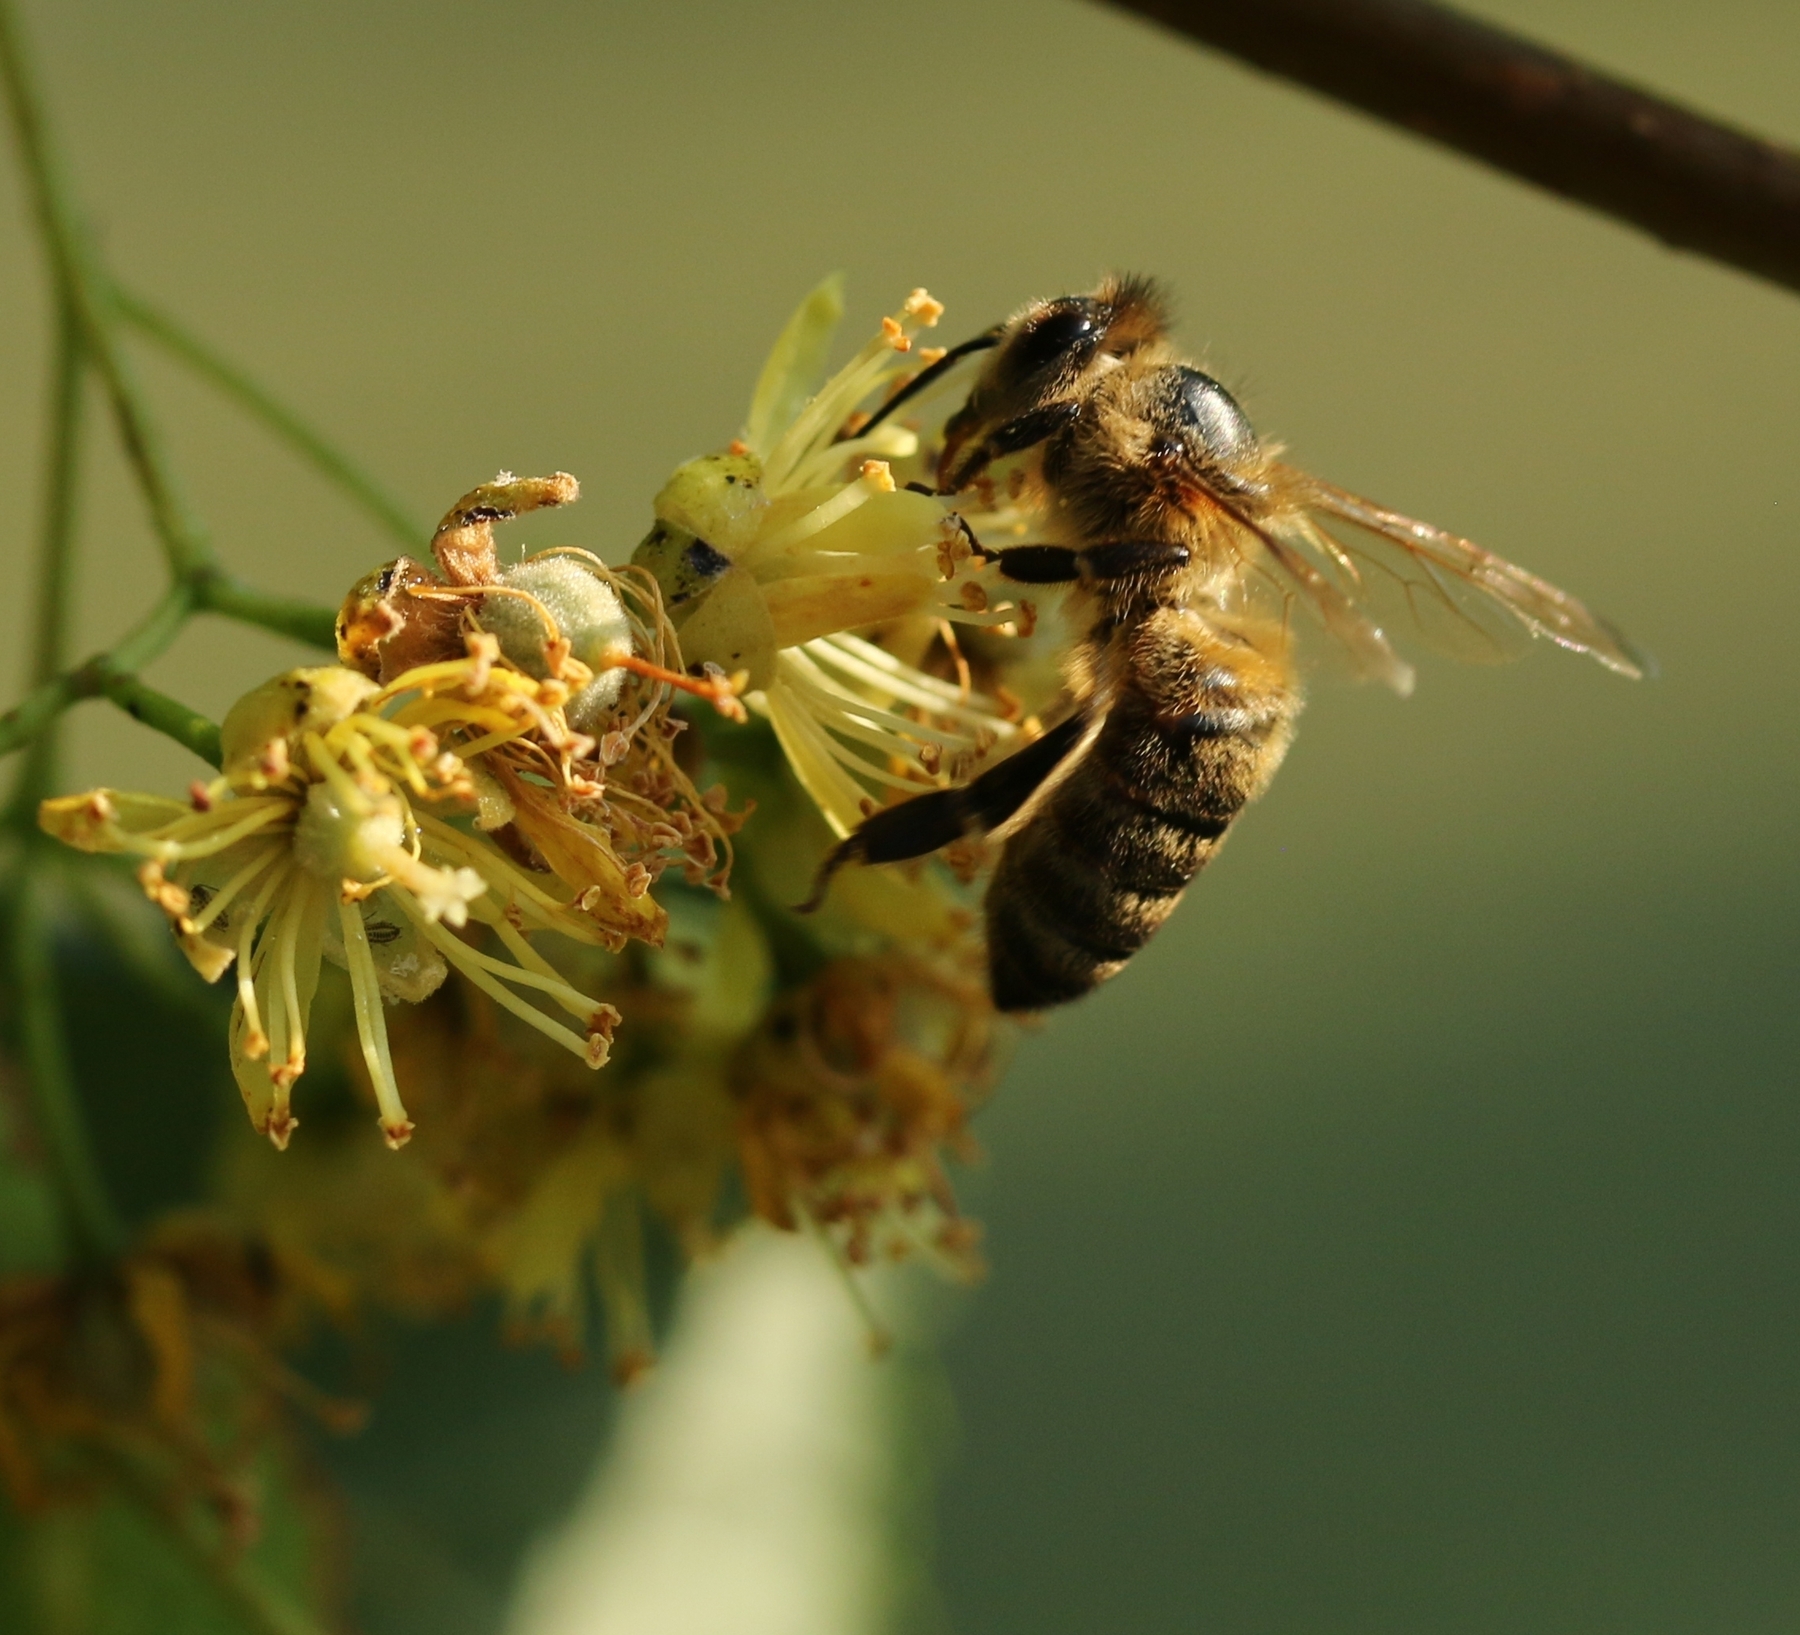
[[1186, 545]]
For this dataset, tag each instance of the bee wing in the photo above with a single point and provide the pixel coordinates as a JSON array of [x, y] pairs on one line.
[[1286, 569], [1460, 598]]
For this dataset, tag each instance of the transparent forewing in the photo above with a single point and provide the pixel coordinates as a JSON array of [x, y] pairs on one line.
[[1281, 568], [1459, 598]]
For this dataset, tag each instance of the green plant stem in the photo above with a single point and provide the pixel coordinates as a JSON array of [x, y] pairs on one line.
[[330, 462], [216, 591], [95, 1231], [113, 674], [164, 714], [56, 540], [61, 482], [87, 294], [146, 640]]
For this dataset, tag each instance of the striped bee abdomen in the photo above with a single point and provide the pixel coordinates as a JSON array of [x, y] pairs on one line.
[[1194, 734]]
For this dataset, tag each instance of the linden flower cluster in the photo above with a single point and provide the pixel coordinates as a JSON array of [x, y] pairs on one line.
[[495, 761], [329, 834], [318, 841], [773, 554]]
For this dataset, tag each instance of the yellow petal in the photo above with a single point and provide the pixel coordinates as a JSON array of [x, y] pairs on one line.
[[813, 605], [100, 820]]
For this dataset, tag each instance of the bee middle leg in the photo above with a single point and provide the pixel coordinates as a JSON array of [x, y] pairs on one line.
[[1063, 565]]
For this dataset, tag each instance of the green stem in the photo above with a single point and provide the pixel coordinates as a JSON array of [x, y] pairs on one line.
[[113, 674], [145, 641], [87, 295], [219, 592], [56, 540], [330, 462], [164, 714], [62, 468], [95, 1230]]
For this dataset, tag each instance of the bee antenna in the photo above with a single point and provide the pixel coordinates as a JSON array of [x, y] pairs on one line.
[[931, 373]]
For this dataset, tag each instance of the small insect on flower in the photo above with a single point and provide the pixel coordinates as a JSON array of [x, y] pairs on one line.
[[773, 553], [1184, 547], [317, 842]]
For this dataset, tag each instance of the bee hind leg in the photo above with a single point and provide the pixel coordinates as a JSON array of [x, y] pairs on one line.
[[914, 828], [918, 827]]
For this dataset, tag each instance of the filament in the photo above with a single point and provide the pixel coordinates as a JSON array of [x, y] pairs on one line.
[[223, 897], [371, 1025]]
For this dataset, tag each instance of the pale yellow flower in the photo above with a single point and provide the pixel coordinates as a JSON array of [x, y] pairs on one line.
[[317, 843], [774, 553]]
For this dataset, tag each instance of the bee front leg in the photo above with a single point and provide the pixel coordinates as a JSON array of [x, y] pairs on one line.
[[1062, 565]]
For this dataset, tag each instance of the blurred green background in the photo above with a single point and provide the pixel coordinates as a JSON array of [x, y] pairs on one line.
[[1411, 1240]]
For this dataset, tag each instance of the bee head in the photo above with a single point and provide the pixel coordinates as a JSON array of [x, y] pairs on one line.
[[1033, 384]]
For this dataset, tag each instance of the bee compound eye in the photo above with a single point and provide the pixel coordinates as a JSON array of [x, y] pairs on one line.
[[1051, 337], [1211, 414]]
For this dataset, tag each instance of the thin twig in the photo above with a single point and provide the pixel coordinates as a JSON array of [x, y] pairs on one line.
[[88, 295], [147, 639], [1534, 113], [164, 714], [61, 484], [62, 468], [216, 591], [330, 462]]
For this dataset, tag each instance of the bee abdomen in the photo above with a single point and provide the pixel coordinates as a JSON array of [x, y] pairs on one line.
[[1093, 875]]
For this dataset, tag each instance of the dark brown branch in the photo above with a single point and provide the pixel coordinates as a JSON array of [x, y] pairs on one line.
[[1528, 111]]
